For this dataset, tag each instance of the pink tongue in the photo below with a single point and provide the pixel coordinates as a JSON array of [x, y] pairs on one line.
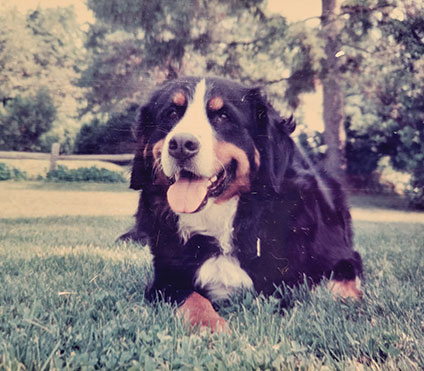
[[186, 195]]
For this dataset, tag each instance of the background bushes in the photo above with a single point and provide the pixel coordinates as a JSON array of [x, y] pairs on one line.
[[92, 174], [65, 174], [7, 173], [114, 136], [23, 121]]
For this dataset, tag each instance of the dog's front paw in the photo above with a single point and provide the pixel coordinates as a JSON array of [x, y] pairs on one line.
[[346, 289], [198, 312]]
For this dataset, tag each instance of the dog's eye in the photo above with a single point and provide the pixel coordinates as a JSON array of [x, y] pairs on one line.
[[222, 118], [172, 114]]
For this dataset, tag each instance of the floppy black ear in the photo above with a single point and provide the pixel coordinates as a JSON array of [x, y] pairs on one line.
[[273, 141], [141, 172]]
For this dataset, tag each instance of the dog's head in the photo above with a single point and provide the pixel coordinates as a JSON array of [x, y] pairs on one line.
[[206, 139]]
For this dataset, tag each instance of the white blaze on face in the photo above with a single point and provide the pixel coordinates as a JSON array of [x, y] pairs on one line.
[[195, 122], [187, 194]]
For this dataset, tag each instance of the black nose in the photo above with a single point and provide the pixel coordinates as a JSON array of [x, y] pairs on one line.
[[183, 146]]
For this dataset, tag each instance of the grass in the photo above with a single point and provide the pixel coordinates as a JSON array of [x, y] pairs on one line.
[[72, 298], [379, 201], [40, 199]]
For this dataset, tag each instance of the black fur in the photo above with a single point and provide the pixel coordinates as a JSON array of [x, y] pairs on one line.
[[298, 213]]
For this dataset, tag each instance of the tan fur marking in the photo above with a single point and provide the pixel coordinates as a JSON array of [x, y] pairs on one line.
[[226, 152], [157, 150], [198, 311], [216, 103], [346, 289], [179, 98], [153, 154]]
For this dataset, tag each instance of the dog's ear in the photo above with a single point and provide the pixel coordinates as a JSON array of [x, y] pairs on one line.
[[141, 172], [272, 140]]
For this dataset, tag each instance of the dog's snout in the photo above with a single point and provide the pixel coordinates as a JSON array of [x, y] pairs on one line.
[[183, 146]]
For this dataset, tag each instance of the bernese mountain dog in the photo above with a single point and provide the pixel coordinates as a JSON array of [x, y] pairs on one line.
[[230, 202]]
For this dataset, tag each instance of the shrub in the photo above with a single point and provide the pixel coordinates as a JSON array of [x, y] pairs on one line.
[[25, 120], [90, 139], [415, 191], [313, 145], [83, 174], [410, 157], [114, 136], [7, 173], [65, 138]]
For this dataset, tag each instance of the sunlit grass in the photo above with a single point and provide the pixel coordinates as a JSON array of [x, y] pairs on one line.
[[72, 298], [37, 199]]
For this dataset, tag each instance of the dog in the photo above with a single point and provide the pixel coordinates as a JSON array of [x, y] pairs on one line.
[[229, 201]]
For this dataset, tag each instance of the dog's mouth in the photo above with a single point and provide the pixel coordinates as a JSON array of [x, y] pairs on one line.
[[189, 193]]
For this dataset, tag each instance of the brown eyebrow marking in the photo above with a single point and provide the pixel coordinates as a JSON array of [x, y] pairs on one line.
[[216, 103], [179, 98]]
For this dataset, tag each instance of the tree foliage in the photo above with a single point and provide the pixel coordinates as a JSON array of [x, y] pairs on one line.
[[24, 120], [135, 42], [375, 56], [388, 118], [41, 49], [114, 136]]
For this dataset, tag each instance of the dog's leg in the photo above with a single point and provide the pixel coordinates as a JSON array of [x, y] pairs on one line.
[[198, 311], [134, 235], [346, 283]]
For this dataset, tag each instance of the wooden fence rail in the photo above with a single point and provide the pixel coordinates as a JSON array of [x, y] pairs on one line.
[[54, 156]]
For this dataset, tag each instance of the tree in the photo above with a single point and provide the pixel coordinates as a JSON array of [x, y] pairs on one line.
[[332, 82], [114, 136], [42, 48], [39, 49], [135, 42], [385, 113], [25, 120]]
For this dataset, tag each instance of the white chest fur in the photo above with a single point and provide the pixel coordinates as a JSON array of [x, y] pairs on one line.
[[220, 275], [214, 220]]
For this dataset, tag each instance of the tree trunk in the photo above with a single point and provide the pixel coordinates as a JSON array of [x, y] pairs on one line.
[[333, 107]]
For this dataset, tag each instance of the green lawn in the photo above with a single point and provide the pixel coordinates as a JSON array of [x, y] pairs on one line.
[[71, 298]]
